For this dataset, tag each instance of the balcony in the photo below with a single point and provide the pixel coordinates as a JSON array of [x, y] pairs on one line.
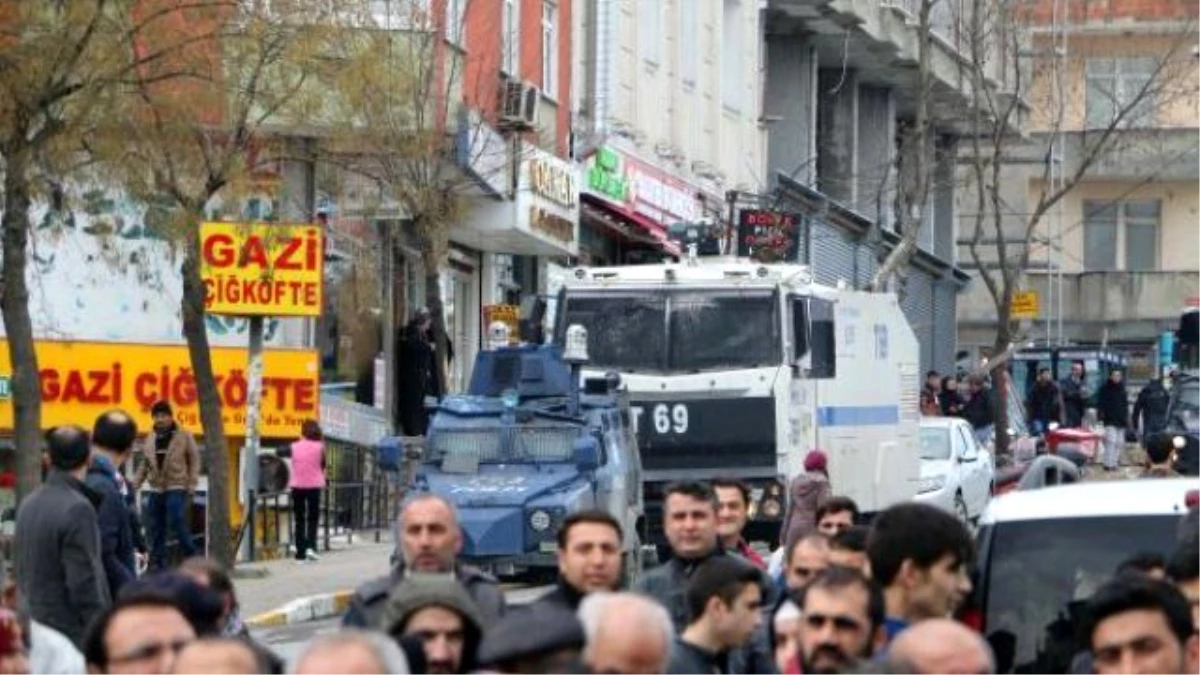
[[1120, 305], [880, 39]]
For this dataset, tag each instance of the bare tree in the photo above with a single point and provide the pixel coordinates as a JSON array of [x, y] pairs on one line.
[[999, 38], [198, 145], [408, 96], [59, 63], [914, 161]]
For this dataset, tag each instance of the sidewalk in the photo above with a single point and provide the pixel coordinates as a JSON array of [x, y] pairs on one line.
[[290, 591]]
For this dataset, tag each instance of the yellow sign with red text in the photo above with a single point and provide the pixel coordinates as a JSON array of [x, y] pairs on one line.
[[262, 269], [81, 380]]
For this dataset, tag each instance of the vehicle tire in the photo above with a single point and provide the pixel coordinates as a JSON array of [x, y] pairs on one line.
[[960, 508]]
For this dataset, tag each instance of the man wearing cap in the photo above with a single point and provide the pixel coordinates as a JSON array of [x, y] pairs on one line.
[[537, 639], [168, 465], [57, 546], [1160, 450], [437, 610]]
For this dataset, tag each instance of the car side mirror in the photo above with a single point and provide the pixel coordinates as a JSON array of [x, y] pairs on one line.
[[587, 453]]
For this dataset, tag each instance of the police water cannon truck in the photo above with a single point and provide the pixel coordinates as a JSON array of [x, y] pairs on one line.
[[739, 369], [529, 444]]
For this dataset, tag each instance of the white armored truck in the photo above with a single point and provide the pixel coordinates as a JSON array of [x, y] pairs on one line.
[[739, 369]]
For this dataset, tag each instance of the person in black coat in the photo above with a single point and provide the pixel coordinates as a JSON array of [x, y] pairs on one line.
[[950, 401], [1150, 408], [416, 374], [57, 544], [1112, 407], [978, 409], [112, 438], [1045, 403], [1075, 396]]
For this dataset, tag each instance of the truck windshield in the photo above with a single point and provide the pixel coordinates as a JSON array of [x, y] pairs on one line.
[[678, 330]]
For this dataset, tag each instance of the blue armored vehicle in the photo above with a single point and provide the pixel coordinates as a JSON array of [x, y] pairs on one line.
[[526, 446]]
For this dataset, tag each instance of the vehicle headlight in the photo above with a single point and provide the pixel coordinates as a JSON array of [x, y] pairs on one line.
[[931, 484], [539, 520]]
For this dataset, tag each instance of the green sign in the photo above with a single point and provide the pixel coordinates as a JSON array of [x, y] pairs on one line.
[[5, 387], [606, 175]]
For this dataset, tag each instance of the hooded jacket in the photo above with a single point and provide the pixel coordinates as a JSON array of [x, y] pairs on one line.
[[371, 598], [420, 591], [805, 495]]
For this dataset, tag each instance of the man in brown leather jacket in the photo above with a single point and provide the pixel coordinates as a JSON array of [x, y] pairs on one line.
[[168, 465]]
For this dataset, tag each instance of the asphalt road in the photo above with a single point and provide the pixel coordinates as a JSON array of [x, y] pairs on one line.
[[289, 641]]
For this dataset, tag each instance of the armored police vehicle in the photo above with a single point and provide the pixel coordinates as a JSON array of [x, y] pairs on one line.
[[739, 369], [526, 446]]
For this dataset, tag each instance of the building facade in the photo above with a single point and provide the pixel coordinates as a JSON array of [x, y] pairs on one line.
[[840, 77], [1118, 258], [666, 121]]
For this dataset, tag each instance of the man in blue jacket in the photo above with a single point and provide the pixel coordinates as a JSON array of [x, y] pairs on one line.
[[112, 438]]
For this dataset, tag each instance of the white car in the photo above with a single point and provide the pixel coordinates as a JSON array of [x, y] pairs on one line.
[[957, 474]]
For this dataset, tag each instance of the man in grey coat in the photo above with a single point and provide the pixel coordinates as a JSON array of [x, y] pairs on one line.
[[57, 544]]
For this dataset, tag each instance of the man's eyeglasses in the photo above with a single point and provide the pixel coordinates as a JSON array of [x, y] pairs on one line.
[[150, 651]]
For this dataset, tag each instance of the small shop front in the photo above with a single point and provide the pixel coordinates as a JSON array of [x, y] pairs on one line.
[[82, 380], [627, 206]]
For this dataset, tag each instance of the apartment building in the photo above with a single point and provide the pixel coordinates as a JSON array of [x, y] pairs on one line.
[[1119, 257], [667, 120], [840, 83]]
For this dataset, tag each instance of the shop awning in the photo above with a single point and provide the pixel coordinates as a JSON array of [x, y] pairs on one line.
[[630, 227]]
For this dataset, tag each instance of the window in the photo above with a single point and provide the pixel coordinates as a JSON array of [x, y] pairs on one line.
[[510, 33], [1141, 235], [1119, 85], [456, 25], [1115, 231], [649, 30], [550, 49], [689, 43], [731, 54]]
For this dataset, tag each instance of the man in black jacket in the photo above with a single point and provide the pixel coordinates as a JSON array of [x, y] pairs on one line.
[[430, 540], [978, 409], [57, 544], [1112, 407], [112, 438], [1075, 396], [1150, 408], [589, 558], [724, 600]]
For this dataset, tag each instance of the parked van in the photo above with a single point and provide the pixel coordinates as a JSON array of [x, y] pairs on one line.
[[1041, 554]]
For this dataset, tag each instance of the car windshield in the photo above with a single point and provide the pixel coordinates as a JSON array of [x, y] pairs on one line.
[[1040, 574], [935, 442], [678, 331]]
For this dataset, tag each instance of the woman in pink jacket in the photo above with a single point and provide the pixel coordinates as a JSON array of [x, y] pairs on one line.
[[307, 481]]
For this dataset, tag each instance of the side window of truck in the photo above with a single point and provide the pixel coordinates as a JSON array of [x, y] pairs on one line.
[[822, 337]]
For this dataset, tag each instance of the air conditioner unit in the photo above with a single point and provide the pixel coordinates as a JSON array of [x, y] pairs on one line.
[[519, 105]]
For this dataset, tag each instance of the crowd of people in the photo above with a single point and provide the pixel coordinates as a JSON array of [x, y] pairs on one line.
[[838, 595]]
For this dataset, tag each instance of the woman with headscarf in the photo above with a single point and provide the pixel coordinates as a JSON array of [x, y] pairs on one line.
[[806, 493]]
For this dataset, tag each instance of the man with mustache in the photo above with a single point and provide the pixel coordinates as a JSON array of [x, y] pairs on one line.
[[841, 623]]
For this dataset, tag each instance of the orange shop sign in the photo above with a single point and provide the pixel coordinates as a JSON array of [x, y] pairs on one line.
[[262, 269], [80, 380]]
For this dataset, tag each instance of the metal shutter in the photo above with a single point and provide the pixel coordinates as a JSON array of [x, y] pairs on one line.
[[918, 308], [833, 254], [945, 328]]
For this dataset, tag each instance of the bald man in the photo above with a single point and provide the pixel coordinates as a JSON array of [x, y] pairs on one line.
[[937, 646], [626, 633], [221, 656]]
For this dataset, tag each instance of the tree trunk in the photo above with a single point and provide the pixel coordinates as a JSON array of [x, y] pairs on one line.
[[18, 325], [1000, 384], [194, 331], [436, 307]]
